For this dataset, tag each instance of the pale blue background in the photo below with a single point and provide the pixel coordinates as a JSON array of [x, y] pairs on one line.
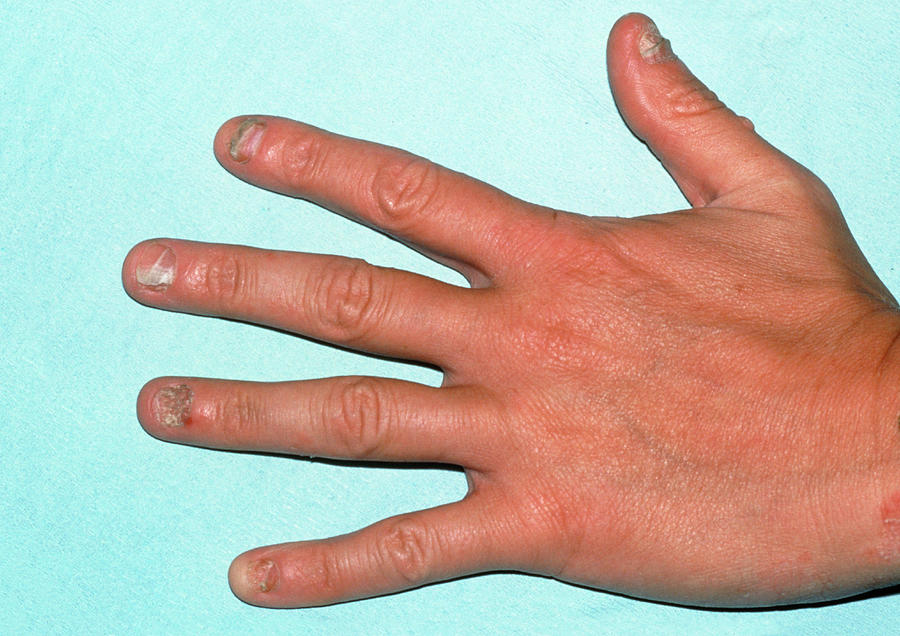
[[106, 119]]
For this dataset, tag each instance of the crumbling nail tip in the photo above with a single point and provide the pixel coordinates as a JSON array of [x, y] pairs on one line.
[[653, 46], [172, 405], [263, 574]]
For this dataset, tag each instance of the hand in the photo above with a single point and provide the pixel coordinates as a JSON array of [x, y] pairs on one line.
[[699, 406]]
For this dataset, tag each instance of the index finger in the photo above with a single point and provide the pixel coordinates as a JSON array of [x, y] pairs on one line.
[[448, 215]]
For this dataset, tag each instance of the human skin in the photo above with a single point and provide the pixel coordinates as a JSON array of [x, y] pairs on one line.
[[699, 407]]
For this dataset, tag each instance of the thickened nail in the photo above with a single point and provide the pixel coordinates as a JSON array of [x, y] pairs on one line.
[[172, 405], [245, 139], [654, 48], [156, 267], [263, 575]]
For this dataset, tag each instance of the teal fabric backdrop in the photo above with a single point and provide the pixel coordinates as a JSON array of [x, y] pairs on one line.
[[106, 118]]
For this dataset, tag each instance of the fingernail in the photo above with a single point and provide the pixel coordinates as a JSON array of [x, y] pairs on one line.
[[263, 575], [245, 139], [172, 405], [654, 48], [156, 267]]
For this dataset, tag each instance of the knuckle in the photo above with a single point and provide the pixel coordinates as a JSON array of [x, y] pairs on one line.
[[582, 256], [549, 519], [327, 573], [406, 550], [300, 158], [224, 277], [404, 189], [345, 299], [688, 100], [239, 415], [361, 416]]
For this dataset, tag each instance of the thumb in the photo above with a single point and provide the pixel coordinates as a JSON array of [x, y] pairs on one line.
[[713, 154]]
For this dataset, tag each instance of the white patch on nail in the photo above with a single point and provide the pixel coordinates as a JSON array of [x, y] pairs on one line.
[[160, 274]]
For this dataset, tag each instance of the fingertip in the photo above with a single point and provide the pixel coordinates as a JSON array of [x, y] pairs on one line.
[[149, 269], [628, 23], [128, 266], [144, 410], [255, 579], [223, 136], [238, 139], [635, 59], [165, 406], [618, 35], [144, 406], [236, 579], [633, 37]]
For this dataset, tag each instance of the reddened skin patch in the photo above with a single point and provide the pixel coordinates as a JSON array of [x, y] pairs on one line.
[[890, 522]]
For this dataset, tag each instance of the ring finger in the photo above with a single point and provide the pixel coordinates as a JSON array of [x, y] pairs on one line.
[[342, 418]]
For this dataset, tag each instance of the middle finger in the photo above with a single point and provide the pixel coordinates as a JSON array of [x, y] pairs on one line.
[[336, 299]]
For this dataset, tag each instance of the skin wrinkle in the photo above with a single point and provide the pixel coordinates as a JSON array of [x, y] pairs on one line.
[[893, 346], [683, 407]]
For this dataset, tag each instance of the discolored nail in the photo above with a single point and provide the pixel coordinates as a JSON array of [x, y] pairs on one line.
[[654, 48], [156, 267], [245, 139], [172, 405], [263, 575]]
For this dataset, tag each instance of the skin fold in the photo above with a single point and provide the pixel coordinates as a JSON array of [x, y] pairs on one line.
[[699, 406]]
